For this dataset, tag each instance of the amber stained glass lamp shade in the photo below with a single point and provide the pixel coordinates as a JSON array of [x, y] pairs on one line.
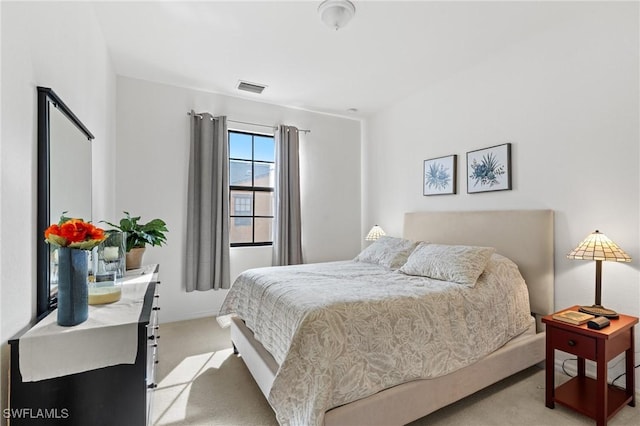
[[598, 247]]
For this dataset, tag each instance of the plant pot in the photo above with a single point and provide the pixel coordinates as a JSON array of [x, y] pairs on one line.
[[134, 257]]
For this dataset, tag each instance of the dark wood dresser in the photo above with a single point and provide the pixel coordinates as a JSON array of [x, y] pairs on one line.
[[113, 395]]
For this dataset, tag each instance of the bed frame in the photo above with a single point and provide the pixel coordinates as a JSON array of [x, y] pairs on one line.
[[526, 237]]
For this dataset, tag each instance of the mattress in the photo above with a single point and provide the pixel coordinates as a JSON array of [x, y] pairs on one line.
[[341, 331]]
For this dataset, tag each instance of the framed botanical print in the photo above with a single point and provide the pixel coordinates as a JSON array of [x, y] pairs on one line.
[[489, 169], [439, 175]]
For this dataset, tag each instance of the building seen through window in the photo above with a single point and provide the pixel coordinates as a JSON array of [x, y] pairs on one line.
[[251, 184]]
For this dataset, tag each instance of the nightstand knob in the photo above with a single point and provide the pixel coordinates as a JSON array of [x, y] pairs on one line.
[[571, 342]]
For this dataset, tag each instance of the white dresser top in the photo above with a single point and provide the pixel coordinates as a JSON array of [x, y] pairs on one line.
[[108, 337]]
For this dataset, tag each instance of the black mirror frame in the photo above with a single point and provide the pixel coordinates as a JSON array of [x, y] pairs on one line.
[[45, 301]]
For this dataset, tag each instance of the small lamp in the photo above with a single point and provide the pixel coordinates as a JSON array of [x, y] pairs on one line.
[[375, 233], [598, 247]]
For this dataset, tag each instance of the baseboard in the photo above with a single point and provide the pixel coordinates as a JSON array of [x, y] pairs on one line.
[[188, 316]]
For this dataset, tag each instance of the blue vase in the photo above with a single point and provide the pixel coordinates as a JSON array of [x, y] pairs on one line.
[[73, 292]]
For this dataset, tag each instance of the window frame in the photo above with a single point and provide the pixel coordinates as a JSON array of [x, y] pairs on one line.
[[253, 189]]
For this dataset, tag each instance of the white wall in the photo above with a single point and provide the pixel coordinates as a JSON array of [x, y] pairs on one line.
[[568, 101], [58, 46], [152, 163]]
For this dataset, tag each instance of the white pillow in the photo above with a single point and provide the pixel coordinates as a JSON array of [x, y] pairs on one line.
[[390, 252], [458, 264]]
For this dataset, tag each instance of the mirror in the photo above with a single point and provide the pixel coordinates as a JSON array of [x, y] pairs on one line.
[[64, 183]]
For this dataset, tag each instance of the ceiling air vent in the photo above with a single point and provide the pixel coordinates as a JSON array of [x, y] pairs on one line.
[[250, 87]]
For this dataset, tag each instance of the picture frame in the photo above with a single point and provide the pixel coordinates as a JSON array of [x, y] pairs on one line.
[[439, 176], [489, 169]]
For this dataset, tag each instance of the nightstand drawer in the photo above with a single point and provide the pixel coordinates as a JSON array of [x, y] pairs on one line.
[[574, 343]]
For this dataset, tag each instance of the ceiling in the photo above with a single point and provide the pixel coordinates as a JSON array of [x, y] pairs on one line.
[[388, 51]]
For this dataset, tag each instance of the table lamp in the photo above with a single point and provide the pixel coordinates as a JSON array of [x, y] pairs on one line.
[[598, 247], [375, 233]]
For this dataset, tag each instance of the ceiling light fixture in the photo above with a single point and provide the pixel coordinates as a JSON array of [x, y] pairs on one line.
[[336, 13]]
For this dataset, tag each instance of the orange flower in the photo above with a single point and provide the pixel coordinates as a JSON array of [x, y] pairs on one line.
[[52, 230], [74, 233], [74, 230], [95, 233]]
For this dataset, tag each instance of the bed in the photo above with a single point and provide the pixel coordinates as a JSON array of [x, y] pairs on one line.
[[523, 236]]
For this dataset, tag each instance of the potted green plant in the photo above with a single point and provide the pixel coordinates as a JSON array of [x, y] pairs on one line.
[[138, 235]]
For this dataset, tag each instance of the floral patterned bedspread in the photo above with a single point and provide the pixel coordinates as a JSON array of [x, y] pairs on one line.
[[341, 331]]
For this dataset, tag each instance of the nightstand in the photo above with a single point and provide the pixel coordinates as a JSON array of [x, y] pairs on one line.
[[591, 397]]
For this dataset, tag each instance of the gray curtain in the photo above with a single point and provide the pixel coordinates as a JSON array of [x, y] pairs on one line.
[[287, 232], [207, 250]]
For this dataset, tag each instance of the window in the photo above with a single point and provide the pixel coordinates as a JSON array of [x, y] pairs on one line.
[[251, 185], [242, 207]]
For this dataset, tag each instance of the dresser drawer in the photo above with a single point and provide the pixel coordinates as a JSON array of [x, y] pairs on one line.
[[152, 359], [574, 343], [153, 336]]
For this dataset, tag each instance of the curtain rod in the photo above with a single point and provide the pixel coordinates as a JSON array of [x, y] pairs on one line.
[[253, 124]]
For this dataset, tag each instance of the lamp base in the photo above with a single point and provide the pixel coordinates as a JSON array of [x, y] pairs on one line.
[[599, 311]]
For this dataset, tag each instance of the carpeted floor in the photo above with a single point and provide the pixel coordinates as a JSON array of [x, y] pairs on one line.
[[201, 382]]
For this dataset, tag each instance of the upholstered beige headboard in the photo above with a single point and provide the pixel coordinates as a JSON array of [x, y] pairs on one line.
[[524, 236]]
